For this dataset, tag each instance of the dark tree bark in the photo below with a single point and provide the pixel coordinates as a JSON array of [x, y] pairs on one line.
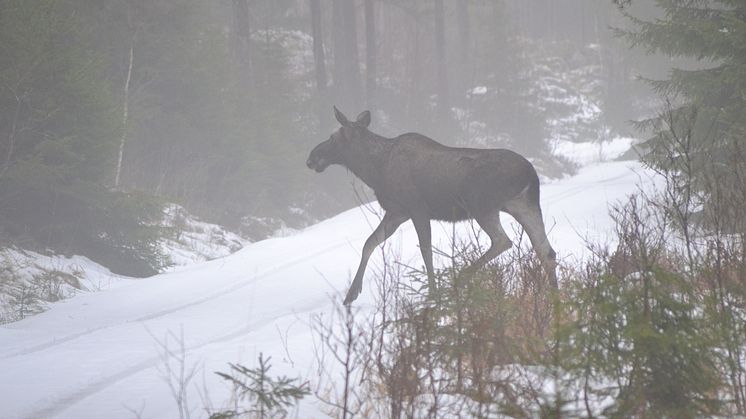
[[338, 46], [346, 58], [370, 55], [242, 44], [318, 45], [440, 57], [463, 79], [319, 58], [464, 30], [415, 101]]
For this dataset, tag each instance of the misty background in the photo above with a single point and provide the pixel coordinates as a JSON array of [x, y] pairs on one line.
[[171, 136], [113, 111]]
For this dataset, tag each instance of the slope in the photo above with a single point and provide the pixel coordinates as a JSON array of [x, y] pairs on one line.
[[101, 354]]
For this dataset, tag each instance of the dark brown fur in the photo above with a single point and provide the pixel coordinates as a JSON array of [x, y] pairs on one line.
[[417, 178]]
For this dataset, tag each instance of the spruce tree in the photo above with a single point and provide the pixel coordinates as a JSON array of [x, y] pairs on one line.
[[58, 130], [705, 111]]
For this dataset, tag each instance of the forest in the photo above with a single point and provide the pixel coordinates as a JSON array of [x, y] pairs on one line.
[[109, 110], [114, 115]]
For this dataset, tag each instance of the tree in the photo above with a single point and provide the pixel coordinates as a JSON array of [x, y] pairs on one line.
[[346, 58], [464, 38], [319, 60], [265, 396], [61, 144], [711, 33], [637, 327], [440, 61], [371, 50], [242, 44]]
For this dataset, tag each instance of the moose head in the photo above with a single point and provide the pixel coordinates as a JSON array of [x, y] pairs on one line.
[[335, 149]]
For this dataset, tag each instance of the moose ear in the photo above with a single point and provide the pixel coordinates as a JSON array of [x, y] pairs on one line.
[[341, 118], [363, 119]]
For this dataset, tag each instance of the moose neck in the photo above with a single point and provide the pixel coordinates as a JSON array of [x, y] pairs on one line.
[[366, 158]]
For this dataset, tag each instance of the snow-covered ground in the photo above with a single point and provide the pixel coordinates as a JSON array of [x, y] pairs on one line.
[[196, 241], [587, 153], [100, 355], [30, 280]]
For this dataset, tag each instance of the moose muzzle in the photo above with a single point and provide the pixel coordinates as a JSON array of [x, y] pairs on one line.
[[317, 164]]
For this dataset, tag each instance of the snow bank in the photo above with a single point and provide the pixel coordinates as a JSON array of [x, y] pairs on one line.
[[194, 240], [31, 280]]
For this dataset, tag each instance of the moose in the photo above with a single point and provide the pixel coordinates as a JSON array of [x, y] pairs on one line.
[[416, 178]]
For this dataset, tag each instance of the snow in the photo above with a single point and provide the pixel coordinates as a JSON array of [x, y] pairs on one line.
[[195, 240], [47, 277], [478, 90], [587, 153], [31, 280], [98, 355]]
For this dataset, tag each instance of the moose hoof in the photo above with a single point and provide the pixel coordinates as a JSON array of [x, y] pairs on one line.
[[352, 294]]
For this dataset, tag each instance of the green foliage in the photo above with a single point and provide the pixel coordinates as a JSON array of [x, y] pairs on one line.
[[712, 33], [53, 101], [265, 396], [19, 297], [637, 331], [58, 152], [640, 331], [640, 341], [218, 132]]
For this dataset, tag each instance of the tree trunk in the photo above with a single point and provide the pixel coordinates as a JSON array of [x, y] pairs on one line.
[[415, 102], [242, 49], [370, 54], [12, 136], [464, 77], [346, 59], [353, 60], [464, 31], [318, 45], [440, 64], [125, 111], [338, 33], [319, 60]]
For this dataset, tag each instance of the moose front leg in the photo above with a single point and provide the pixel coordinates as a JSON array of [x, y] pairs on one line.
[[385, 229]]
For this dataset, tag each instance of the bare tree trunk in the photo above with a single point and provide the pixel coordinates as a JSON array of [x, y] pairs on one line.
[[242, 44], [318, 45], [12, 135], [463, 79], [125, 111], [353, 60], [440, 57], [338, 33], [414, 98], [319, 60], [370, 54], [464, 30], [346, 58]]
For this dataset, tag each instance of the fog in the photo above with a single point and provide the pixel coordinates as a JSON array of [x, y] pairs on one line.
[[110, 111], [157, 173]]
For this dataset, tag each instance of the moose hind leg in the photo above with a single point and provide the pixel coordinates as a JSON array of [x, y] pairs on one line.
[[529, 216], [491, 225], [422, 227], [385, 229]]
